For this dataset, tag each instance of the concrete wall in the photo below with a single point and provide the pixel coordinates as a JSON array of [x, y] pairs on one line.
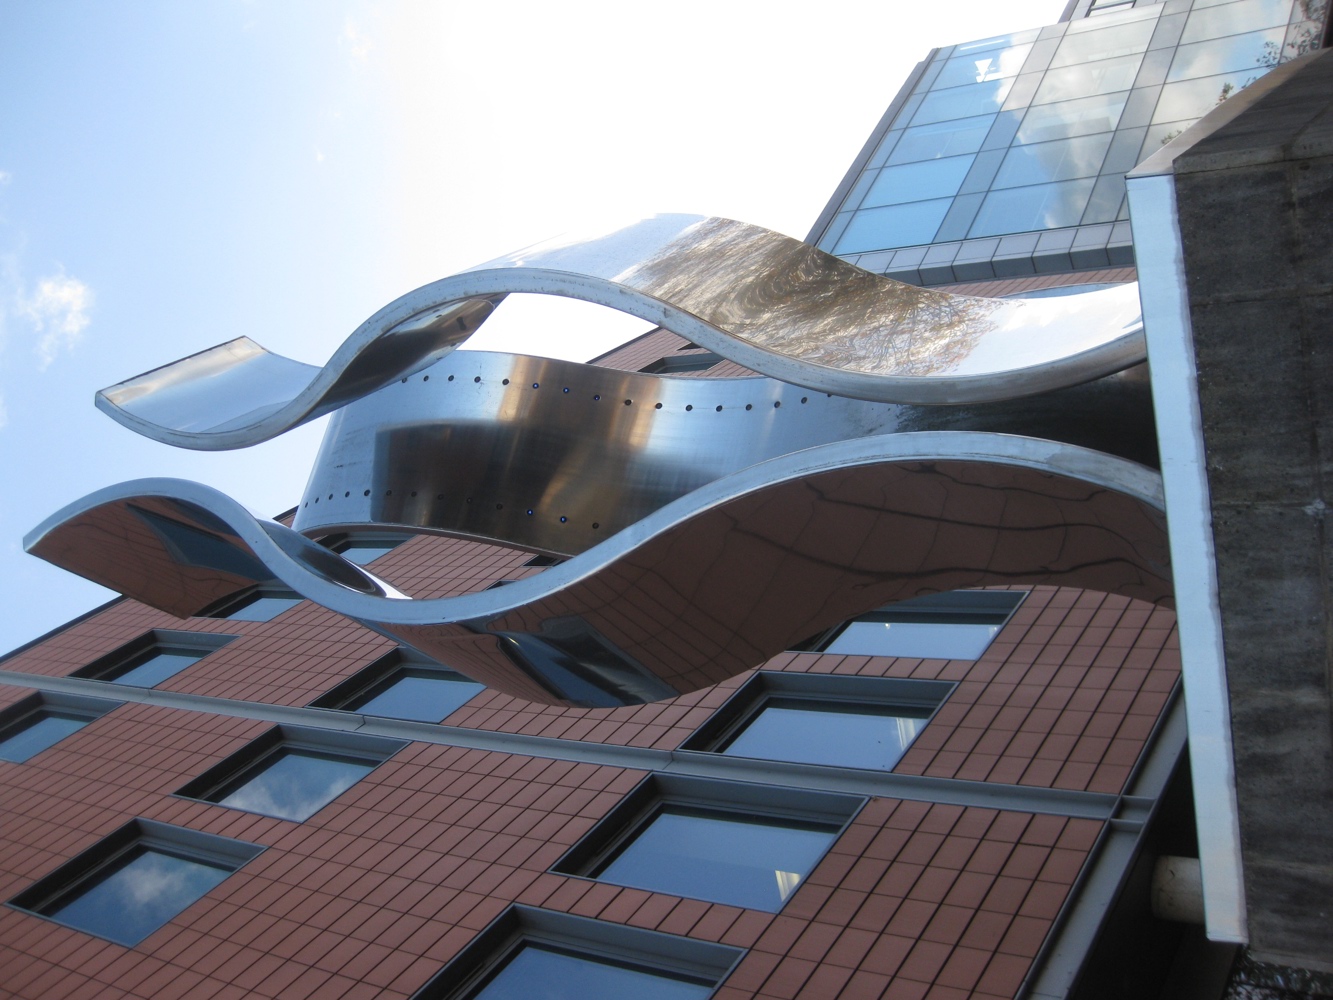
[[1255, 203]]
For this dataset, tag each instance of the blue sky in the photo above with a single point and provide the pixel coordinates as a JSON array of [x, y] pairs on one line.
[[173, 175]]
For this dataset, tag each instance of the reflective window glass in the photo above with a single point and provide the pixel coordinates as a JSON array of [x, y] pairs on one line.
[[263, 606], [942, 139], [918, 181], [538, 970], [1021, 210], [421, 695], [38, 731], [962, 102], [893, 226], [843, 734], [294, 783], [979, 67], [1235, 18], [157, 665], [1062, 160], [719, 856], [1106, 42], [1103, 77], [1086, 116], [996, 42], [144, 889], [1192, 99], [918, 640], [1253, 51]]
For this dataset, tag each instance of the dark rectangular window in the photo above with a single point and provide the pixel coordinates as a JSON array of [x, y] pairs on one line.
[[679, 364], [153, 657], [136, 880], [403, 684], [746, 845], [528, 953], [291, 773], [835, 720], [43, 720]]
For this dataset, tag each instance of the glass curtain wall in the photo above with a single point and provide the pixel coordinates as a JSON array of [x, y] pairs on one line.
[[1035, 130]]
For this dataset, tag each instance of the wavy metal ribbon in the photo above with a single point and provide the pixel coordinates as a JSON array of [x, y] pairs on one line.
[[699, 590], [771, 303]]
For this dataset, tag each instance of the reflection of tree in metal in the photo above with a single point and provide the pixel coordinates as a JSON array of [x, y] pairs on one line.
[[832, 318]]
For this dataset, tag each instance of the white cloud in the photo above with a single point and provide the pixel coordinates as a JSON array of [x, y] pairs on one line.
[[58, 311], [5, 177], [4, 414], [357, 41]]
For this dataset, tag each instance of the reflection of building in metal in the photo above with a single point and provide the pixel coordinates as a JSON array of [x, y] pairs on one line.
[[968, 793]]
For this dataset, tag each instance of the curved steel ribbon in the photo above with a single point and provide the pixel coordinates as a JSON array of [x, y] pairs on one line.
[[705, 587], [557, 456], [771, 303]]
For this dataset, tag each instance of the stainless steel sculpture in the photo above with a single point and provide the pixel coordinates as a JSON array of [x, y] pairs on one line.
[[707, 586], [773, 304], [712, 522]]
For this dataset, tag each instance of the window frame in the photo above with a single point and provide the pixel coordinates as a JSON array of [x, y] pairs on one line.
[[15, 717], [681, 364], [380, 674], [81, 872], [912, 612], [342, 542], [124, 658], [824, 690], [223, 610], [237, 769], [469, 972], [632, 815]]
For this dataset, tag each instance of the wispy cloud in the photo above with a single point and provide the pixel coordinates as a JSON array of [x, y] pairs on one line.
[[357, 41], [4, 414], [5, 177], [57, 309]]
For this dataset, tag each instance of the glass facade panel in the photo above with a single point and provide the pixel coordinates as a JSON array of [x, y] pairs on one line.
[[557, 974], [893, 226], [295, 783], [1102, 77], [718, 856], [36, 733], [1234, 18], [134, 897], [962, 102], [1067, 119], [942, 139], [840, 734], [1254, 51], [918, 181], [1192, 99], [418, 695], [1053, 161], [366, 550], [918, 640], [1021, 210], [980, 67], [157, 666], [1107, 42]]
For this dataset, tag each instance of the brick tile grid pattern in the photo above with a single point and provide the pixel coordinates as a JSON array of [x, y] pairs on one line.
[[372, 895], [1065, 697]]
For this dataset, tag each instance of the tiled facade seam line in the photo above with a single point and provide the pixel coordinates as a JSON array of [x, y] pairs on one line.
[[953, 791]]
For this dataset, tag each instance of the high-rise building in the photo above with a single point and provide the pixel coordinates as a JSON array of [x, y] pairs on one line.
[[980, 792]]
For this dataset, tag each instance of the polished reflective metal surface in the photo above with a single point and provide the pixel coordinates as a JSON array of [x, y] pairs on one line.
[[707, 586], [557, 456], [773, 304]]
